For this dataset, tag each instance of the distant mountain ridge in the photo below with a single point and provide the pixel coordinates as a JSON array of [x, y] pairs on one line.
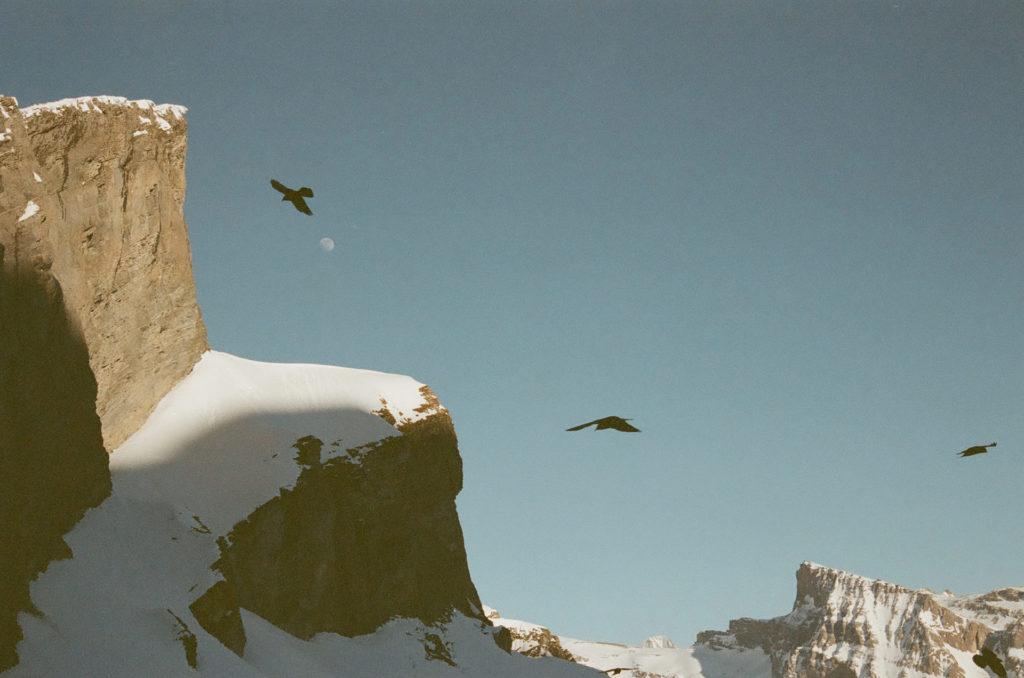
[[842, 625]]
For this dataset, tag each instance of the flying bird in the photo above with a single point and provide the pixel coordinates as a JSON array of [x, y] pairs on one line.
[[988, 658], [617, 423], [977, 449], [295, 196]]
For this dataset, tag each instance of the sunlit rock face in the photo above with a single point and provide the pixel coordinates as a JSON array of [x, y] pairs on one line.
[[843, 625], [92, 189]]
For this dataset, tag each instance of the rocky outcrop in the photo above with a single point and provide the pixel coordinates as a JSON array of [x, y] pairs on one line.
[[352, 545], [52, 462], [530, 640], [98, 316], [91, 190], [846, 625]]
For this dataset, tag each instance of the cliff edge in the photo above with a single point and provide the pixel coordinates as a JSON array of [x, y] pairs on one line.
[[844, 625], [92, 190]]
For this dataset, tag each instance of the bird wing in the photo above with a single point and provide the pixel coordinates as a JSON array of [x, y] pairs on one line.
[[279, 186], [972, 451], [582, 426], [301, 205], [628, 428], [305, 192]]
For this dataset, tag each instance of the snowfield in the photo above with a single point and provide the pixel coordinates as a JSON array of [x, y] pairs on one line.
[[217, 446]]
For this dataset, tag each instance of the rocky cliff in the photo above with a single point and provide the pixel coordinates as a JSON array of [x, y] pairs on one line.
[[315, 498], [844, 625], [52, 462], [91, 191]]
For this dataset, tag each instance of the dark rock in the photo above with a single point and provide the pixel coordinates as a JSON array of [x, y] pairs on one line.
[[53, 465], [353, 545]]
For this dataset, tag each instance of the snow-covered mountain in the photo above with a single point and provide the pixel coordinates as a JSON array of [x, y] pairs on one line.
[[262, 522], [265, 520], [843, 624], [657, 657]]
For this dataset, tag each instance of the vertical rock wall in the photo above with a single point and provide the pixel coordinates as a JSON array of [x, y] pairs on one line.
[[52, 462], [98, 314], [93, 189]]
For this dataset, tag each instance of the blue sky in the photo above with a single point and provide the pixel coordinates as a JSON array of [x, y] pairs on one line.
[[786, 238]]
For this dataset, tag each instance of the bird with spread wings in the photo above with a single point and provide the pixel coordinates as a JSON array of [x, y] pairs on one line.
[[295, 196], [617, 423], [977, 449]]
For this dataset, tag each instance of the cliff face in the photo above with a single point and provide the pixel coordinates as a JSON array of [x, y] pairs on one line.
[[52, 462], [845, 625], [91, 190], [351, 545], [230, 476]]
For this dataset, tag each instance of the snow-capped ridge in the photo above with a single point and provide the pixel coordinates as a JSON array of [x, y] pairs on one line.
[[659, 641], [91, 104], [850, 624], [230, 411]]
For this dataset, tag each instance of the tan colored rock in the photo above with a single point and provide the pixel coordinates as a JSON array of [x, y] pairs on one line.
[[843, 624], [92, 189]]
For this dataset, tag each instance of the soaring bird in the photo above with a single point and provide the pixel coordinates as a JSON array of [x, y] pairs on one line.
[[617, 423], [988, 658], [295, 196], [977, 449]]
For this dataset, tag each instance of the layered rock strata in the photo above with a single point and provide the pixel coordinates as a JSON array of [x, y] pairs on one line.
[[846, 625], [92, 190]]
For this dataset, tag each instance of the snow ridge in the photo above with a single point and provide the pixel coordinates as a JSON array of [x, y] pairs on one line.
[[91, 104]]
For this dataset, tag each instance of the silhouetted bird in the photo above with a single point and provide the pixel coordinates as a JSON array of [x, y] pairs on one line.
[[295, 196], [977, 449], [988, 658], [617, 423]]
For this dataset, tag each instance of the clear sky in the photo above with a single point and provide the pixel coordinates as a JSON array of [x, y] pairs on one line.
[[787, 238]]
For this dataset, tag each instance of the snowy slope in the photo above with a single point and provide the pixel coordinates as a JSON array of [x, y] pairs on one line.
[[658, 657], [216, 447]]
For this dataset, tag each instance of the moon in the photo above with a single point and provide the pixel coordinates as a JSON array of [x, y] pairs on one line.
[[326, 244]]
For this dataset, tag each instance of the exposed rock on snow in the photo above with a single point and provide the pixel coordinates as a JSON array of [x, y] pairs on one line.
[[649, 661], [843, 624], [317, 499]]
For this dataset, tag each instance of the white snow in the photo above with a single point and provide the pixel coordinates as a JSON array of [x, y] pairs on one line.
[[91, 104], [659, 641], [5, 135], [231, 414], [30, 209], [216, 447], [665, 661], [138, 133], [37, 177]]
